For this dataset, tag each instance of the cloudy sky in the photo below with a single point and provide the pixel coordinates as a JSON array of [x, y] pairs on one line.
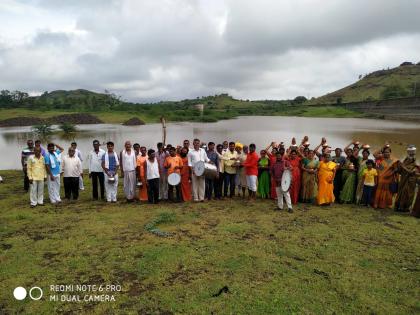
[[176, 49]]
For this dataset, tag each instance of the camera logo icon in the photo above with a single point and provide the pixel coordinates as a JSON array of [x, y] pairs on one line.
[[35, 293]]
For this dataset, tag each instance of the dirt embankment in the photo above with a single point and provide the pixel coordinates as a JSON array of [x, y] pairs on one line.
[[134, 122], [76, 119]]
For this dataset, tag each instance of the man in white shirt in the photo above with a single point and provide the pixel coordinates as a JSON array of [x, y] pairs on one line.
[[71, 167], [95, 170], [128, 171], [198, 182], [152, 173], [78, 153]]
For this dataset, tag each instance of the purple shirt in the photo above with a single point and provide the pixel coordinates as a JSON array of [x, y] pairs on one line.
[[277, 169], [161, 157]]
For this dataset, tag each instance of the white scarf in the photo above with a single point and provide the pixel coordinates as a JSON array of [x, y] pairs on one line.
[[107, 160], [128, 160], [52, 160]]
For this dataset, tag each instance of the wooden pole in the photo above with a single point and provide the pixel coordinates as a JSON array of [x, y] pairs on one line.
[[163, 122]]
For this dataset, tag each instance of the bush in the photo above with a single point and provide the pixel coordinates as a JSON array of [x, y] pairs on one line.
[[68, 127], [42, 130], [394, 91]]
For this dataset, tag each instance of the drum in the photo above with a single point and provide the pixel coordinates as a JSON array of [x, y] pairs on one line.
[[205, 169], [174, 179], [111, 179], [286, 180]]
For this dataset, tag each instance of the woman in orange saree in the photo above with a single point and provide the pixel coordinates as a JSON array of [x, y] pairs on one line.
[[185, 177], [386, 179], [141, 159], [326, 173]]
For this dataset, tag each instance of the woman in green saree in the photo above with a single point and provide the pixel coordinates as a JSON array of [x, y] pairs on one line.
[[309, 188], [349, 178], [263, 189], [362, 166]]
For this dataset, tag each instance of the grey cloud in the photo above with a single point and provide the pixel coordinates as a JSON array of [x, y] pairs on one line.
[[51, 38], [277, 26], [155, 50]]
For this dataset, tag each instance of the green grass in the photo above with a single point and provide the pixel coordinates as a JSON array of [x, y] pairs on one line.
[[338, 260], [373, 85]]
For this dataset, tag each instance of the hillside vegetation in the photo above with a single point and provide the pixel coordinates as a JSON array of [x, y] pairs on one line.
[[111, 109], [402, 81]]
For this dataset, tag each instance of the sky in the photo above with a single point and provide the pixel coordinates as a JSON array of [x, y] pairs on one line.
[[152, 50]]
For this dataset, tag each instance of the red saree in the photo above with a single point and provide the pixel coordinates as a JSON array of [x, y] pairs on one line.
[[296, 180]]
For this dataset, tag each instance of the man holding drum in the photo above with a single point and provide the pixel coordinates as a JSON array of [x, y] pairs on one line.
[[198, 182], [173, 164], [277, 170]]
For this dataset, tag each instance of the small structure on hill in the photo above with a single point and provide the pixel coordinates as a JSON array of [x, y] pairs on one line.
[[200, 108]]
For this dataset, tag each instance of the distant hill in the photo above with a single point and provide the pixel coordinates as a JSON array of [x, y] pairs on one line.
[[402, 81]]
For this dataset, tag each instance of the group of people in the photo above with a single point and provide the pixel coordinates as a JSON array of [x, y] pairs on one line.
[[317, 176]]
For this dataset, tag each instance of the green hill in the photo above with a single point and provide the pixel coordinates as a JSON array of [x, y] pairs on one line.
[[402, 81]]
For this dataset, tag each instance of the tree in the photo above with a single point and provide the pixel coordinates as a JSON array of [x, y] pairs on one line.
[[299, 100]]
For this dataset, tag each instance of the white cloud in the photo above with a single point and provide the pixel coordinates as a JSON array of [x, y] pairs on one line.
[[154, 50]]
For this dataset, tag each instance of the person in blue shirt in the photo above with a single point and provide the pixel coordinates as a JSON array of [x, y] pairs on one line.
[[53, 165], [110, 166]]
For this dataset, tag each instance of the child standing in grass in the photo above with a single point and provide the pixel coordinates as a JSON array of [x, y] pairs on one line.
[[370, 180]]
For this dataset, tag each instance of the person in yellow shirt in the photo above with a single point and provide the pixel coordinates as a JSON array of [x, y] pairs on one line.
[[173, 164], [37, 174], [370, 180], [229, 159]]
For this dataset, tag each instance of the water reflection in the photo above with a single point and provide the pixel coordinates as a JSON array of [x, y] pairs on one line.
[[260, 130]]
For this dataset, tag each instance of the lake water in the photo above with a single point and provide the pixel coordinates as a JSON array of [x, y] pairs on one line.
[[260, 130]]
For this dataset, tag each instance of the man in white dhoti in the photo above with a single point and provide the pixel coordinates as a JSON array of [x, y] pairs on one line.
[[128, 171], [110, 164], [53, 165], [198, 182], [161, 156]]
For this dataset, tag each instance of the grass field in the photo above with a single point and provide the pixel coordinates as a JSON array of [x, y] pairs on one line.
[[335, 260]]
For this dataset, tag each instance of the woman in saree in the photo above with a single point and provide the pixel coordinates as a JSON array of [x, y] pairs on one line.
[[295, 161], [263, 188], [141, 159], [415, 212], [309, 189], [386, 180], [272, 157], [326, 173], [362, 166], [347, 193], [185, 176]]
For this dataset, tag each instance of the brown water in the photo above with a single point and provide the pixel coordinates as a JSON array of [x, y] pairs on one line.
[[258, 129]]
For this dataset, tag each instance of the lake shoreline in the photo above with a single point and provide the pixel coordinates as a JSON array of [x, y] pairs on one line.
[[25, 117]]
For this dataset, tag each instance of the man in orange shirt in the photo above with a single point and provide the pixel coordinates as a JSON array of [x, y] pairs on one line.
[[173, 164]]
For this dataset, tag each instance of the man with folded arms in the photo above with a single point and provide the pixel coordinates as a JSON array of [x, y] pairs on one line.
[[36, 175]]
